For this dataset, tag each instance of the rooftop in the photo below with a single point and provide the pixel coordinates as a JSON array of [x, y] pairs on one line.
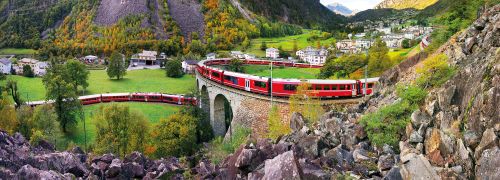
[[5, 61]]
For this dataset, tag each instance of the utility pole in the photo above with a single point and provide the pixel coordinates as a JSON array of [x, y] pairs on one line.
[[366, 80], [271, 90]]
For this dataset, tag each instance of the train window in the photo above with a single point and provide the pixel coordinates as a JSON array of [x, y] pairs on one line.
[[342, 87], [326, 87], [348, 87], [290, 87], [318, 87], [234, 80], [259, 84], [370, 85], [216, 74], [169, 99]]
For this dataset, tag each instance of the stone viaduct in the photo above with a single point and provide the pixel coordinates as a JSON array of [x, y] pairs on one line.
[[229, 107]]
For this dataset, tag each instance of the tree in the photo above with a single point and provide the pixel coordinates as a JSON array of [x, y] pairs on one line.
[[60, 90], [14, 92], [378, 58], [295, 46], [45, 121], [174, 69], [8, 119], [120, 131], [24, 117], [276, 127], [236, 65], [306, 103], [27, 71], [78, 74], [263, 46], [175, 136], [116, 66], [245, 44]]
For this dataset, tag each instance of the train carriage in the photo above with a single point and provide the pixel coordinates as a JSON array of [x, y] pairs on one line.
[[115, 97], [285, 87], [333, 88], [369, 89], [91, 99]]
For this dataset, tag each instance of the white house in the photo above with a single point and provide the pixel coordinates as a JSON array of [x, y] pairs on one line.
[[145, 58], [313, 56], [211, 56], [189, 66], [237, 54], [90, 59], [5, 66], [26, 61], [272, 53], [249, 56], [41, 68]]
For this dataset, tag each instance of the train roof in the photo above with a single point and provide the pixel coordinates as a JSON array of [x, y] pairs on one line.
[[286, 80], [89, 96], [116, 94], [325, 81], [370, 80], [241, 75], [40, 102]]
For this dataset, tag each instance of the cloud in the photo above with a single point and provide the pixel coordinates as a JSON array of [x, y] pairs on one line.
[[354, 4]]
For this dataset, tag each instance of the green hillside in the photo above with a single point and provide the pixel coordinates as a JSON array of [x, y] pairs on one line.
[[405, 4]]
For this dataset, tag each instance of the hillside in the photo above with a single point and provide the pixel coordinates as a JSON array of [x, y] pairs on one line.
[[341, 9], [309, 14], [405, 4]]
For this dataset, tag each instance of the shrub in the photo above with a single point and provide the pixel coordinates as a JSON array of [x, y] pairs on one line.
[[276, 127], [219, 149], [174, 69], [434, 72], [412, 94]]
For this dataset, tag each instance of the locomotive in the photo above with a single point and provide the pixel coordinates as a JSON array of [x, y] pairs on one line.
[[283, 87], [133, 97]]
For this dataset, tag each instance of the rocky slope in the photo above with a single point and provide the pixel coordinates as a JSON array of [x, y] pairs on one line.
[[404, 4]]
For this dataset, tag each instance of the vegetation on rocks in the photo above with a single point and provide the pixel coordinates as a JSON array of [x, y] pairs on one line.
[[276, 127], [434, 72]]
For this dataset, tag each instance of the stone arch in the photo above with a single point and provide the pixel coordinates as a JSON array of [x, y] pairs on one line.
[[223, 115], [204, 99]]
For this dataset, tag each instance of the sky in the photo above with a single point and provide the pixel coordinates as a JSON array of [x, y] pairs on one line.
[[354, 4]]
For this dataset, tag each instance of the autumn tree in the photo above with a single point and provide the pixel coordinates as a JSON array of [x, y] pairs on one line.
[[8, 119], [120, 131], [276, 127], [173, 68], [305, 102], [60, 90], [78, 74], [116, 66], [175, 136], [14, 92], [236, 65]]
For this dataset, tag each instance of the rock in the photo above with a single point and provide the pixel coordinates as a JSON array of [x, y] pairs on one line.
[[107, 158], [114, 169], [359, 132], [205, 170], [385, 162], [445, 96], [245, 158], [431, 108], [469, 44], [332, 125], [457, 169], [488, 140], [387, 149], [46, 145], [297, 121], [136, 157], [393, 174], [311, 145], [360, 154], [415, 137], [419, 118], [447, 144], [77, 150], [487, 166], [28, 172], [417, 167], [435, 158], [420, 147], [432, 140], [471, 139], [340, 157], [313, 171], [283, 166], [132, 170]]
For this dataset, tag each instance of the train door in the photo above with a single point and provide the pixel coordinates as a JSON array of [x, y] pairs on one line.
[[179, 100], [247, 84], [353, 89]]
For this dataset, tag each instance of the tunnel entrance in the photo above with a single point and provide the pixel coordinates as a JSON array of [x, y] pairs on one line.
[[223, 114]]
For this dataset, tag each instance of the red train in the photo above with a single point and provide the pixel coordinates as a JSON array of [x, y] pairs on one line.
[[283, 87], [123, 97]]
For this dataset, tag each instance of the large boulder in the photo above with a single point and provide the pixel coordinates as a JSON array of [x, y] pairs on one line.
[[133, 170], [28, 172], [313, 171], [385, 162], [445, 96], [488, 140], [311, 145], [418, 118], [393, 174], [417, 167], [114, 169], [487, 166], [340, 157], [297, 121], [432, 140], [136, 157], [283, 166]]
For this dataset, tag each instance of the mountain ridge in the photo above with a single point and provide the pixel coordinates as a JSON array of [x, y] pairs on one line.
[[341, 9], [405, 4]]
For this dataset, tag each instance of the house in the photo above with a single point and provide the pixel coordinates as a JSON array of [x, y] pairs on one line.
[[25, 61], [237, 54], [249, 56], [41, 68], [91, 59], [353, 46], [5, 66], [211, 56], [272, 53], [146, 58], [189, 66], [312, 55]]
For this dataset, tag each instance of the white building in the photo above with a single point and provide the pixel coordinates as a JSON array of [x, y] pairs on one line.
[[353, 46], [90, 59], [249, 56], [313, 56], [237, 54], [272, 53], [189, 66], [5, 66], [145, 58], [211, 56], [41, 68], [25, 61]]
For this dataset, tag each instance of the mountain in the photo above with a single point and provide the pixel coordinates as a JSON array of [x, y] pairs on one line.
[[307, 13], [405, 4], [341, 9]]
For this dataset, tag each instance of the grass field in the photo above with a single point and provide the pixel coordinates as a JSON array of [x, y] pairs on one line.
[[287, 72], [285, 42], [153, 112], [134, 81], [12, 51], [402, 53]]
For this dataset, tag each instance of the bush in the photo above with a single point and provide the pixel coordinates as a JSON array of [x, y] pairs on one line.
[[434, 72], [175, 136], [219, 149], [276, 127], [174, 69], [27, 71], [412, 94]]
